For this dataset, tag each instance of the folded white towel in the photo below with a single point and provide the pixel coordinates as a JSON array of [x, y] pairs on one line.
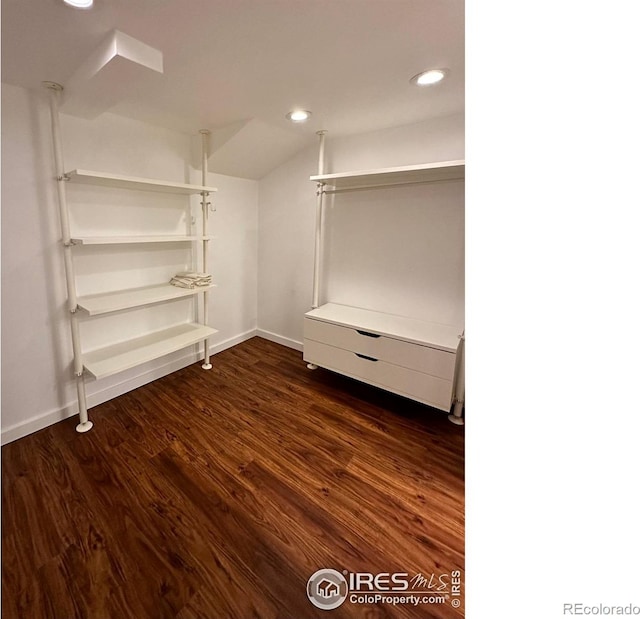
[[193, 275], [181, 284], [191, 279]]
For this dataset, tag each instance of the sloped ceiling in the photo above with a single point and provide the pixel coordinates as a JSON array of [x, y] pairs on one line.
[[237, 67]]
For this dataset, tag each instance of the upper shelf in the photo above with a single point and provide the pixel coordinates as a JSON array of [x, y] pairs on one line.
[[88, 177], [404, 175]]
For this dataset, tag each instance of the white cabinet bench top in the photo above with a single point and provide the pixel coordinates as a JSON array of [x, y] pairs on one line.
[[437, 335]]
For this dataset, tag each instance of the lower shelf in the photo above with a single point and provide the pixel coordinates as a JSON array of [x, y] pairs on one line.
[[110, 360]]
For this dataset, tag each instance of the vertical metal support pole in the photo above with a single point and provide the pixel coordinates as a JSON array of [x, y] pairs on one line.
[[72, 301], [317, 264], [321, 135], [206, 365], [456, 416], [317, 260]]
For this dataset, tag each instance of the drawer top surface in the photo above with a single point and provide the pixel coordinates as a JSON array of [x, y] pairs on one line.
[[444, 337]]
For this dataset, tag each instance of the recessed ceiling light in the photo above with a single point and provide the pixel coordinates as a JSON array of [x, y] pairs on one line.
[[298, 116], [79, 4], [426, 78]]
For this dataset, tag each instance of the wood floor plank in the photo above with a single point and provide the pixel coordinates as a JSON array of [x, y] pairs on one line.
[[207, 495], [136, 537], [234, 529], [226, 583]]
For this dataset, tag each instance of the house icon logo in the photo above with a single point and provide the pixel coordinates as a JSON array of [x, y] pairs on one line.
[[327, 589]]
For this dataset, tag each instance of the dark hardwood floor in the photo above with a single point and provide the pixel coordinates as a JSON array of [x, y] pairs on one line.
[[217, 494]]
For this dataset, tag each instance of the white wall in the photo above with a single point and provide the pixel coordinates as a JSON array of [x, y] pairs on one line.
[[396, 250], [38, 386]]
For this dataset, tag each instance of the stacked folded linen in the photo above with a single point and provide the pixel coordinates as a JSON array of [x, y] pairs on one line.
[[191, 280]]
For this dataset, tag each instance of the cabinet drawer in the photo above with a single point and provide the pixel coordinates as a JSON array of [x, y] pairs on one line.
[[406, 354], [415, 385]]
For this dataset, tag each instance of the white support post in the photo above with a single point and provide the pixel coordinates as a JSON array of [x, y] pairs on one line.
[[317, 264], [206, 365], [456, 417], [72, 301]]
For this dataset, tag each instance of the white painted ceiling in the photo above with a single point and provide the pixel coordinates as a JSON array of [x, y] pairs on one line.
[[243, 64]]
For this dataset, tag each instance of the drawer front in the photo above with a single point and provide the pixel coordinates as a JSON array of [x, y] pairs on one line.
[[406, 354], [415, 385]]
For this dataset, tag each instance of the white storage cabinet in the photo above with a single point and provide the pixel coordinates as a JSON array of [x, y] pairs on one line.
[[417, 359], [409, 357]]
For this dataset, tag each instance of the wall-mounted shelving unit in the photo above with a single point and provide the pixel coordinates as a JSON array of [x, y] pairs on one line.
[[124, 355], [418, 359]]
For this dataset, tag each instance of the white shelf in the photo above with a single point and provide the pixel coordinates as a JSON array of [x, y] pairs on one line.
[[104, 303], [126, 355], [89, 177], [123, 240], [423, 173], [437, 335]]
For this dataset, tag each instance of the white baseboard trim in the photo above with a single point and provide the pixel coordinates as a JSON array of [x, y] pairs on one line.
[[39, 422], [279, 339], [232, 341]]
